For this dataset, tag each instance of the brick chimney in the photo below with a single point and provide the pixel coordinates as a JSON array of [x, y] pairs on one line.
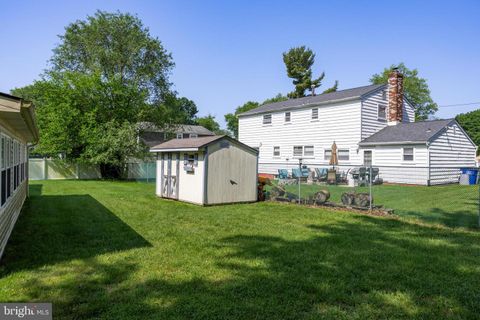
[[395, 97]]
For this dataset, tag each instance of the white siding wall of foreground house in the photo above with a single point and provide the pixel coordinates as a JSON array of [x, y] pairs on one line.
[[394, 169], [449, 151], [370, 121], [13, 182], [338, 122]]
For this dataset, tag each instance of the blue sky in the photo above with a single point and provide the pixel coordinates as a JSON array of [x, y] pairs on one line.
[[229, 52]]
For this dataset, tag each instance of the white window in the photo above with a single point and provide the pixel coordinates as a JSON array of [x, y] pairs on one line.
[[315, 113], [308, 151], [287, 116], [179, 135], [367, 158], [327, 155], [193, 135], [267, 119], [276, 151], [382, 112], [407, 154], [343, 154], [297, 151]]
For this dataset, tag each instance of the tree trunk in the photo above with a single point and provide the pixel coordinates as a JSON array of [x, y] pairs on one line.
[[110, 171]]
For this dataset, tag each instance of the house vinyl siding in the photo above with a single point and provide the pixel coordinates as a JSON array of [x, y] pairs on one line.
[[450, 151], [370, 122], [393, 169], [339, 122]]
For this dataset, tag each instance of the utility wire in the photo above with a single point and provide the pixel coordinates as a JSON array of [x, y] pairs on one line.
[[458, 105]]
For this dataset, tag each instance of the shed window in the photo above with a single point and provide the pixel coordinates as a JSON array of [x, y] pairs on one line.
[[276, 151], [287, 116], [297, 151], [382, 112], [407, 154], [267, 119], [179, 135], [308, 151], [343, 154], [327, 155], [315, 113]]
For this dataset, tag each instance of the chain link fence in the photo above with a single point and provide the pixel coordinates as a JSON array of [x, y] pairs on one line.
[[451, 197]]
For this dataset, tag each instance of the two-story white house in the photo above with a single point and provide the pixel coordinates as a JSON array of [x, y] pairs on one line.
[[371, 125]]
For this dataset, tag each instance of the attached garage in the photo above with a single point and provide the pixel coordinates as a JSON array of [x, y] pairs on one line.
[[207, 170]]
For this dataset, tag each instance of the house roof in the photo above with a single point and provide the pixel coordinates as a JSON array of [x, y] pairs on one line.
[[179, 128], [347, 94], [409, 132], [19, 115], [193, 144]]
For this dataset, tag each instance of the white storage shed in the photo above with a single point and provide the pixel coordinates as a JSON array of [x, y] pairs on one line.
[[206, 170]]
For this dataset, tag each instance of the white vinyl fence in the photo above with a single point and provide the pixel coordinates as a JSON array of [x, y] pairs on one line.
[[55, 169]]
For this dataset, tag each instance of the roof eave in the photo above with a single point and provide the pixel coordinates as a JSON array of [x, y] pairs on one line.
[[369, 144], [308, 105], [174, 149]]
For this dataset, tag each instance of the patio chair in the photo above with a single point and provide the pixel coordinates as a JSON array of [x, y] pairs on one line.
[[321, 174], [296, 173], [282, 174]]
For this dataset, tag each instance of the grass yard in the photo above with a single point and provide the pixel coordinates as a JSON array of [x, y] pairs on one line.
[[451, 205], [112, 250]]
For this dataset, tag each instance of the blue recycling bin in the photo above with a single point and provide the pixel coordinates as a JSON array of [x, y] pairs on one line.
[[472, 174]]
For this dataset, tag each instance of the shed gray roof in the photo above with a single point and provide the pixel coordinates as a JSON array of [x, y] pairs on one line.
[[347, 94], [195, 144], [408, 132]]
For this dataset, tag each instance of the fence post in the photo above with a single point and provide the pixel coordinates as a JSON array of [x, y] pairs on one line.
[[370, 179]]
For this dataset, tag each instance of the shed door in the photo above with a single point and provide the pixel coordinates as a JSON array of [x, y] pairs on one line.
[[170, 175]]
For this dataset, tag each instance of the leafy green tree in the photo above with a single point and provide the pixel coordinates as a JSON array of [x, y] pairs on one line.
[[107, 74], [299, 62], [209, 123], [470, 122], [415, 88]]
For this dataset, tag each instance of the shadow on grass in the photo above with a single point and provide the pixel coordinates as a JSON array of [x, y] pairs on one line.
[[53, 229], [367, 268]]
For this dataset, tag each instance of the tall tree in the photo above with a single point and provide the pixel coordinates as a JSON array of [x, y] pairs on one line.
[[107, 74], [470, 121], [232, 118], [210, 123], [299, 62], [415, 88]]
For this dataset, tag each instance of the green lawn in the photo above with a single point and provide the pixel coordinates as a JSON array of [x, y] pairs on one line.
[[113, 250], [451, 205]]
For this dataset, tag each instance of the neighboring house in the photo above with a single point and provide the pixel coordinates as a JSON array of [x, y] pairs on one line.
[[152, 135], [206, 170], [371, 125], [17, 129]]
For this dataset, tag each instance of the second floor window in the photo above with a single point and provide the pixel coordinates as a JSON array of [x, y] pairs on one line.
[[267, 119], [287, 116], [193, 135], [314, 113], [382, 112], [179, 135]]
